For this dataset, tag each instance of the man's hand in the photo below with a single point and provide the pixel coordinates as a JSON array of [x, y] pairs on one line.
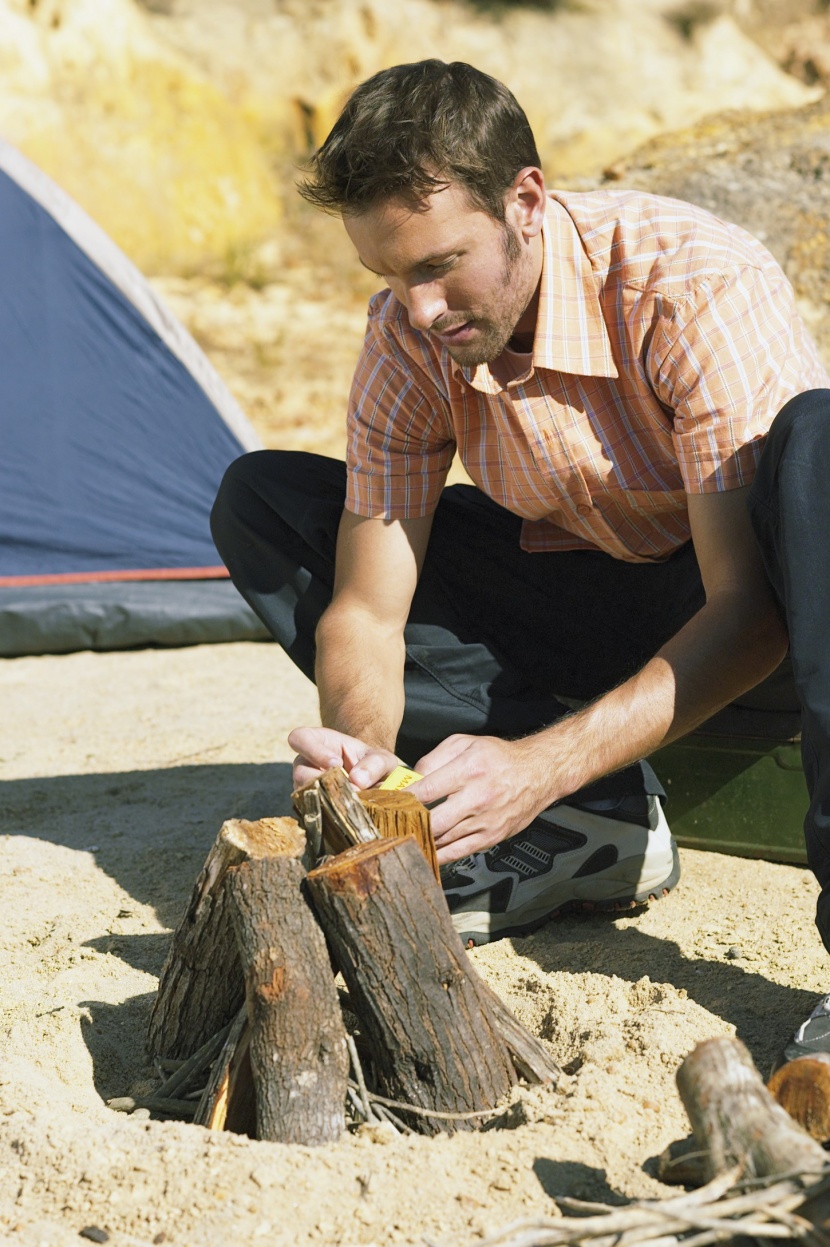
[[319, 748], [493, 789]]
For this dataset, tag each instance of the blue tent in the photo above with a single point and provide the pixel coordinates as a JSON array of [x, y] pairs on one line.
[[116, 431]]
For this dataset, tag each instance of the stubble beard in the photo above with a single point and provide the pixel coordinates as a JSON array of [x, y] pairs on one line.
[[495, 333]]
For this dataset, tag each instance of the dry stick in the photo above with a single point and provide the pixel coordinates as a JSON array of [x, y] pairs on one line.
[[224, 1096], [394, 1120], [199, 1061], [429, 1112], [358, 1073], [692, 1220]]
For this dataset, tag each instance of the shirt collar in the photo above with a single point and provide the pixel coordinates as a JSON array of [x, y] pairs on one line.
[[570, 332]]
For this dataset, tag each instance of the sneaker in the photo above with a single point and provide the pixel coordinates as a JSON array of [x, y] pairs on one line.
[[812, 1036], [609, 855]]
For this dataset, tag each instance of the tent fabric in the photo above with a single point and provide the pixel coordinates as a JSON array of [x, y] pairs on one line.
[[60, 619], [115, 431]]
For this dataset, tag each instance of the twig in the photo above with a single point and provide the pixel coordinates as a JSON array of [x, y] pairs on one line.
[[431, 1112], [705, 1216], [361, 1081], [388, 1115], [355, 1101], [194, 1064]]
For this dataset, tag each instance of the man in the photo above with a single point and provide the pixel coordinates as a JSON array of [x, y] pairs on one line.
[[608, 366]]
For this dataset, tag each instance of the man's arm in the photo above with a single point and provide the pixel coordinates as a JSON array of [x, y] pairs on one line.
[[494, 788], [360, 649]]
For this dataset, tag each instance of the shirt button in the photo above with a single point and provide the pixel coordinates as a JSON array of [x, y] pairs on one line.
[[584, 508]]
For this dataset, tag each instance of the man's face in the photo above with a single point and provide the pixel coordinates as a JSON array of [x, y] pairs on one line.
[[464, 278]]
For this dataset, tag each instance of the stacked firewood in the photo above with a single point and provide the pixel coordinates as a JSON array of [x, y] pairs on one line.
[[250, 1022]]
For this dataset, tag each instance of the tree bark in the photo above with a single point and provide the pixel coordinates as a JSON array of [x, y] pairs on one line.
[[398, 814], [201, 985], [734, 1118], [434, 1041], [298, 1047]]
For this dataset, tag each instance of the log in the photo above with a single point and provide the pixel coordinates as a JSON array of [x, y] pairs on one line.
[[734, 1118], [396, 814], [343, 820], [433, 1039], [228, 1102], [297, 1048], [201, 987], [802, 1088]]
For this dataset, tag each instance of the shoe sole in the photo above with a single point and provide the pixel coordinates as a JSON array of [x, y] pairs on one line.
[[481, 929]]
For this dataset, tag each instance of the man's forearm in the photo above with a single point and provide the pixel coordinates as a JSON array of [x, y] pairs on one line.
[[720, 653], [359, 676]]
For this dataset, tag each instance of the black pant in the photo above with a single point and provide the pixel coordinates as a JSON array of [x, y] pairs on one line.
[[496, 635], [790, 509]]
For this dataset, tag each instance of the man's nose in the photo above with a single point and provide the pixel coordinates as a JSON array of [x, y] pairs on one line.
[[425, 304]]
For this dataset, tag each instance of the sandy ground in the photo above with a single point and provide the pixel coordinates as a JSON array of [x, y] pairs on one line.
[[117, 771]]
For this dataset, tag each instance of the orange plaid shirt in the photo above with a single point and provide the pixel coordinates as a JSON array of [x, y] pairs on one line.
[[666, 342]]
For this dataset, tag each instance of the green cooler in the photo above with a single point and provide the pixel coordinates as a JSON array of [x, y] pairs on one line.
[[736, 785]]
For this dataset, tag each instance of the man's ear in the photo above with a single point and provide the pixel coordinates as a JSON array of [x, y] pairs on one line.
[[526, 200]]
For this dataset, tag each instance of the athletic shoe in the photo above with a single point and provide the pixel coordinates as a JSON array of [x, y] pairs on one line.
[[811, 1037], [606, 855]]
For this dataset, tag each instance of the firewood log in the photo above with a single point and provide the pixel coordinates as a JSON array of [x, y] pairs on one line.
[[201, 985], [396, 814], [434, 1041], [343, 822], [297, 1048], [802, 1087], [734, 1118]]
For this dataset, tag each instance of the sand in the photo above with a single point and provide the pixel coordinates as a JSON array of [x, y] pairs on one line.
[[118, 770]]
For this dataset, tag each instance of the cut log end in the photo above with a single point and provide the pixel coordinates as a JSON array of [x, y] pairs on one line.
[[265, 837], [802, 1087], [396, 814]]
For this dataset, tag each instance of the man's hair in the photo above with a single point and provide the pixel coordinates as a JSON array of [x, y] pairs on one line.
[[413, 129]]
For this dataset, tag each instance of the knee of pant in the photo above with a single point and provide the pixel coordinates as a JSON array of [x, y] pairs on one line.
[[234, 478], [803, 424], [237, 486]]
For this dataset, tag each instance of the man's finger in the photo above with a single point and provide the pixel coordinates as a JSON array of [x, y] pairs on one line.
[[444, 753], [373, 767], [448, 779]]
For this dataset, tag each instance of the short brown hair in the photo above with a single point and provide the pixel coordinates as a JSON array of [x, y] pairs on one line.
[[412, 129]]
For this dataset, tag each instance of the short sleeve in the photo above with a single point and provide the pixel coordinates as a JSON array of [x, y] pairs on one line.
[[400, 442], [724, 363]]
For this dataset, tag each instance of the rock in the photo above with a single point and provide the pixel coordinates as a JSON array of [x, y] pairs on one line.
[[168, 165], [179, 124], [769, 174], [595, 80]]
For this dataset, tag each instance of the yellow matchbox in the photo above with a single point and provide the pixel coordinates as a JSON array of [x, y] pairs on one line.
[[400, 778]]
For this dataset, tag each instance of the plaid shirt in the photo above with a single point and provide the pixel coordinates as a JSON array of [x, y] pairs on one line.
[[666, 341]]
